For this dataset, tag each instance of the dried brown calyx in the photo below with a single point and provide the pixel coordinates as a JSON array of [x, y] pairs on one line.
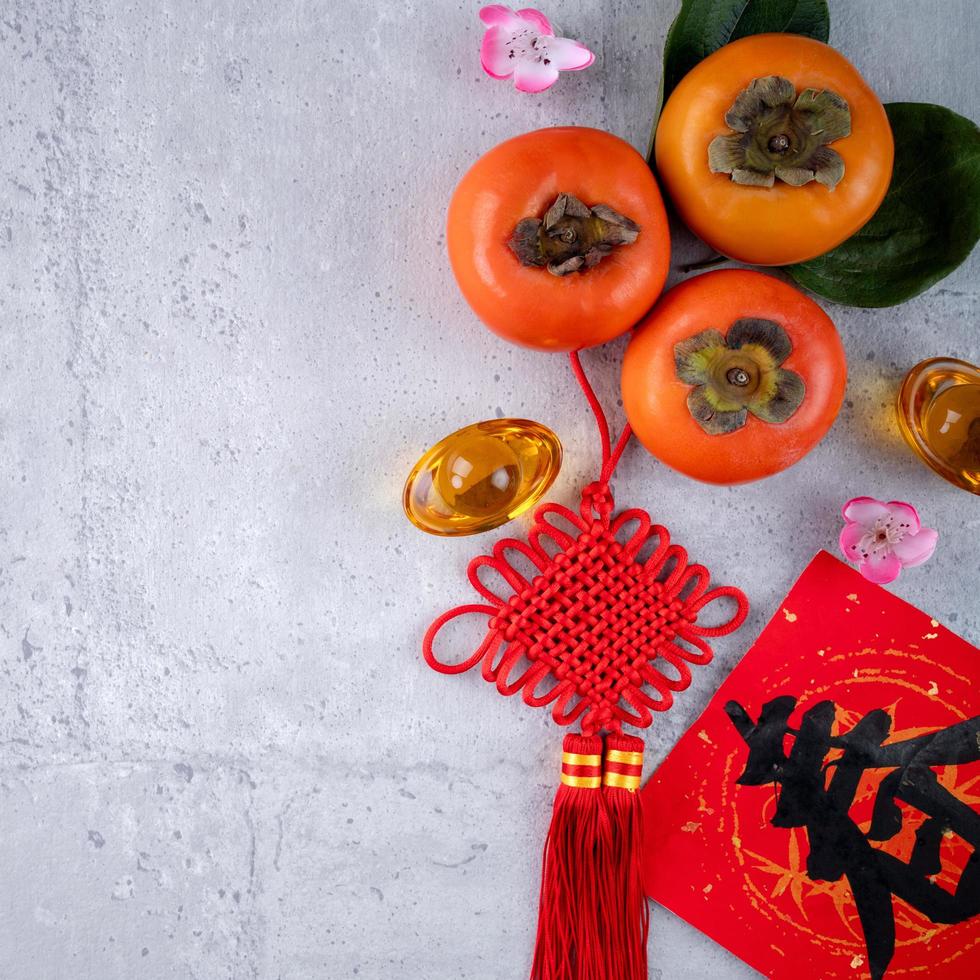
[[571, 237], [778, 134]]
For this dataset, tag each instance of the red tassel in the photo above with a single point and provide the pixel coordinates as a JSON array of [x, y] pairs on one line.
[[624, 911], [570, 945]]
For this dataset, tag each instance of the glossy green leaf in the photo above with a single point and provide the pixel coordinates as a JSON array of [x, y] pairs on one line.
[[704, 26], [927, 224]]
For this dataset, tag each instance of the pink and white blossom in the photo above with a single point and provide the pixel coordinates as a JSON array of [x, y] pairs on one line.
[[522, 44], [883, 538]]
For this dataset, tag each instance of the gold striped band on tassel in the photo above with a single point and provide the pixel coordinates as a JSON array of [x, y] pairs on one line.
[[622, 781], [581, 771], [623, 769]]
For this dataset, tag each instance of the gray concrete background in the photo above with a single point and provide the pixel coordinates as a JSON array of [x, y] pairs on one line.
[[227, 329]]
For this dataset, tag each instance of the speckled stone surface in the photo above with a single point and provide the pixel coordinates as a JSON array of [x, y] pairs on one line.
[[227, 329]]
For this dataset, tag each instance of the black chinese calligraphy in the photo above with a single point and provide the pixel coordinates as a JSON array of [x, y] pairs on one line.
[[816, 794]]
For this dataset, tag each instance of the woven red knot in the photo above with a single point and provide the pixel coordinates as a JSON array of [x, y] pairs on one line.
[[602, 635]]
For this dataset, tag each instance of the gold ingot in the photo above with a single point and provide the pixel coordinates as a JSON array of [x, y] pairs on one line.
[[482, 476], [939, 415]]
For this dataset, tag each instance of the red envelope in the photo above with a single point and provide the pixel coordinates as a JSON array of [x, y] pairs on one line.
[[822, 817]]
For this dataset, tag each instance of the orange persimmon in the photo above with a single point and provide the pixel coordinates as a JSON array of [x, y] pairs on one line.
[[733, 376], [774, 149], [558, 238]]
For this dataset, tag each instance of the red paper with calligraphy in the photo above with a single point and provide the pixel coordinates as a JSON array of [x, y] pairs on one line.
[[822, 817]]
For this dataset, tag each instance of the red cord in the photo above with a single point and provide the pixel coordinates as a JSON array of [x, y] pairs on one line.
[[610, 457]]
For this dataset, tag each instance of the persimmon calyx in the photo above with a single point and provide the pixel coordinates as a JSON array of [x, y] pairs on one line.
[[738, 374], [779, 134], [571, 236]]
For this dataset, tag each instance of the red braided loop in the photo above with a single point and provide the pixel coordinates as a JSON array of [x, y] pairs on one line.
[[602, 637]]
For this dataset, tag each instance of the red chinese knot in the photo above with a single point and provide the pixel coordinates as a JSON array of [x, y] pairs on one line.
[[592, 632]]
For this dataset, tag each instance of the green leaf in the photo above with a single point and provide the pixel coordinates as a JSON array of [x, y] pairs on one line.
[[927, 224], [704, 26]]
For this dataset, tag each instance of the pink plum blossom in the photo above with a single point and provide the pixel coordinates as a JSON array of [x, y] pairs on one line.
[[882, 539], [522, 44]]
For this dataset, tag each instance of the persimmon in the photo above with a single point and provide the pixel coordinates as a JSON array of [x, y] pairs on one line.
[[774, 150], [559, 239], [733, 376]]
